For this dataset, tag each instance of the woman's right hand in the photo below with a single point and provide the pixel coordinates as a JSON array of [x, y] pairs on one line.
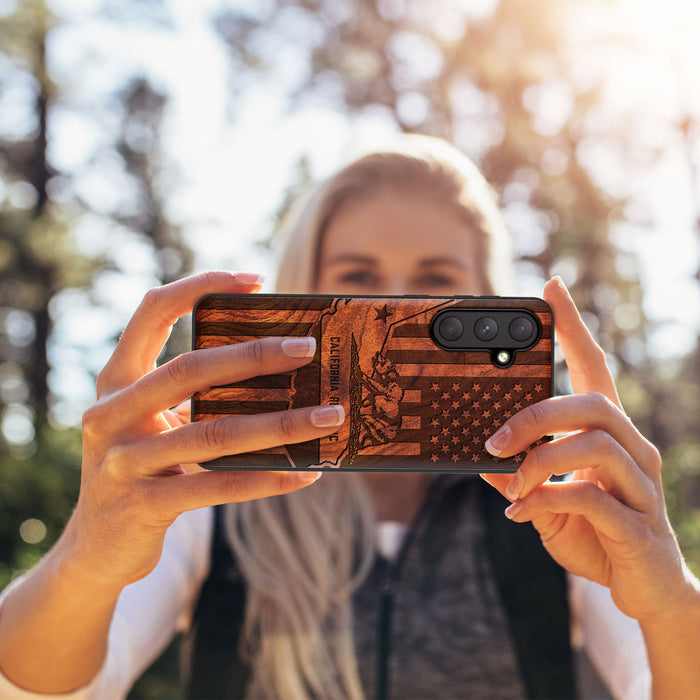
[[140, 461]]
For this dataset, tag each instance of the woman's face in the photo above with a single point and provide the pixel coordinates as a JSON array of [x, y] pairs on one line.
[[398, 243]]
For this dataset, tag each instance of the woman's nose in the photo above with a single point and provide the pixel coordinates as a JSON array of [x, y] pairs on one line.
[[398, 287]]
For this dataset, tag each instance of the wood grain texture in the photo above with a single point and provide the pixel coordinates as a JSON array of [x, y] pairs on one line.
[[410, 405]]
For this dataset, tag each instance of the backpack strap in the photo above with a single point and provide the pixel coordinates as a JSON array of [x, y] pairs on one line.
[[534, 593], [213, 667]]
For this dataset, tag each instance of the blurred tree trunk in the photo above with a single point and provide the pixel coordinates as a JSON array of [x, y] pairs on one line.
[[39, 178], [36, 274]]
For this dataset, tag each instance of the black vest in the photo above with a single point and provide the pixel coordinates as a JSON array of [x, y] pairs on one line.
[[538, 613]]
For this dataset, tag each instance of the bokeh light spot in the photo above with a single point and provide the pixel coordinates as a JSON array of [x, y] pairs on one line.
[[32, 531], [18, 424]]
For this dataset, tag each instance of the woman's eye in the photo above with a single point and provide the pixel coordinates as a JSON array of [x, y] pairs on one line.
[[363, 278], [435, 281]]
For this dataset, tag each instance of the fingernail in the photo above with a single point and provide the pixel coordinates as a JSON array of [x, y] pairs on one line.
[[513, 509], [515, 486], [328, 416], [250, 277], [309, 477], [299, 347], [560, 282], [498, 441]]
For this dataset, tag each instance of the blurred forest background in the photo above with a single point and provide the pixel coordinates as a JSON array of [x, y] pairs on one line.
[[97, 174]]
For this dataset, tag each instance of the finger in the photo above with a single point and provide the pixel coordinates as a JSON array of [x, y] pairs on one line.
[[210, 439], [183, 492], [564, 414], [177, 416], [149, 327], [594, 450], [182, 412], [606, 514], [585, 359], [199, 370], [498, 481]]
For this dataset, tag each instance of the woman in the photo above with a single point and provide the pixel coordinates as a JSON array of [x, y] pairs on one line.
[[297, 574]]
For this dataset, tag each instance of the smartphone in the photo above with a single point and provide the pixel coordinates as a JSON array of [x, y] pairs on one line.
[[424, 380]]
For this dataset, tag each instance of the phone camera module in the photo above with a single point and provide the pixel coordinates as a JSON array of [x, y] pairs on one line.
[[451, 328], [521, 328], [500, 331], [485, 329]]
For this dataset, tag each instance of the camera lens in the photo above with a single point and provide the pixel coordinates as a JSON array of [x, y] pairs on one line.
[[485, 328], [521, 328], [451, 328]]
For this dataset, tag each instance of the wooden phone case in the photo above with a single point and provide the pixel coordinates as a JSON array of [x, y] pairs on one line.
[[409, 405]]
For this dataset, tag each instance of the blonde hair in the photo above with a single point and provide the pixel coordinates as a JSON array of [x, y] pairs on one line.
[[303, 554]]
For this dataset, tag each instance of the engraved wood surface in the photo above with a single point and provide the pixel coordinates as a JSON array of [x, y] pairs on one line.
[[409, 404]]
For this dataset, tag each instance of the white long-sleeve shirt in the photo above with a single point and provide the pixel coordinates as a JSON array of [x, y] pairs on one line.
[[150, 611]]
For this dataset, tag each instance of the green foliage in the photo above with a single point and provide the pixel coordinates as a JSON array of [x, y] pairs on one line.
[[41, 482], [682, 487]]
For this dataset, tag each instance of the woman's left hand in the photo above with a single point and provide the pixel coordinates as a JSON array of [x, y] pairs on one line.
[[609, 524]]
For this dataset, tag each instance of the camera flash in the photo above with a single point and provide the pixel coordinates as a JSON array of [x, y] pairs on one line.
[[503, 357]]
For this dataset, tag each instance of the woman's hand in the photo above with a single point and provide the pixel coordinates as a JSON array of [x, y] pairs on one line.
[[609, 524], [139, 473], [140, 458]]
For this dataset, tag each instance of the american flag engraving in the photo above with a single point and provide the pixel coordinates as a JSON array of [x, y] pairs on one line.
[[409, 404]]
